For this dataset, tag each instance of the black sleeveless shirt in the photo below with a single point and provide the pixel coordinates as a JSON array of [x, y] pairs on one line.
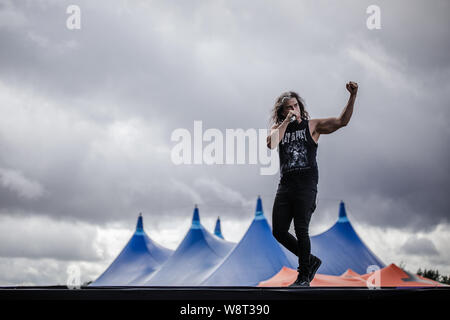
[[297, 151]]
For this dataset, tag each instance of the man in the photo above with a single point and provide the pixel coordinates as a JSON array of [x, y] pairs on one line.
[[297, 139]]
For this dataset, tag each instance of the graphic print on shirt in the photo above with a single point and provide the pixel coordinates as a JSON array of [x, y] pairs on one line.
[[295, 152]]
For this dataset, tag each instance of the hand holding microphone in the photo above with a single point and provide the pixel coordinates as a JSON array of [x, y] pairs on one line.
[[293, 115]]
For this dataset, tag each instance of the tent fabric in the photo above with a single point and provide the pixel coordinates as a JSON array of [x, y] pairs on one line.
[[393, 276], [206, 259], [256, 257], [340, 248], [140, 256], [198, 253], [390, 276]]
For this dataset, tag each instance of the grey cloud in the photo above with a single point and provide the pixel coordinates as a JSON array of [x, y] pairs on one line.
[[37, 238], [419, 246], [17, 182], [225, 63], [43, 272], [70, 99]]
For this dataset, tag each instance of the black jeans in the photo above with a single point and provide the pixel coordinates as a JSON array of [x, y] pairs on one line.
[[295, 200]]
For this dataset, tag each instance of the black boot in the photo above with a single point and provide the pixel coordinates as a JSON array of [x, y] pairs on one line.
[[315, 264], [302, 279]]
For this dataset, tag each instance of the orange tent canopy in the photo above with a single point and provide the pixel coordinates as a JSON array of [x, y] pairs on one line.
[[390, 276]]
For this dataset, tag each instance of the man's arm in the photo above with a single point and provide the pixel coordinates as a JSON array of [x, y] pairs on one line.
[[330, 125], [276, 133]]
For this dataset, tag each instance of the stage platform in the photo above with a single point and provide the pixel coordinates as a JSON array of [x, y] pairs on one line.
[[222, 293], [269, 303]]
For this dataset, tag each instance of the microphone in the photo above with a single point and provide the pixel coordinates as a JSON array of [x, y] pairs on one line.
[[292, 119]]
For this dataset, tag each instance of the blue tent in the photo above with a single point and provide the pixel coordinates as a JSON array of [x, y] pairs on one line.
[[195, 257], [141, 256], [340, 248], [217, 229], [257, 257]]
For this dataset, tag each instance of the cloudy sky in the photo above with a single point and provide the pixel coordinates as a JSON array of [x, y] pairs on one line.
[[87, 117]]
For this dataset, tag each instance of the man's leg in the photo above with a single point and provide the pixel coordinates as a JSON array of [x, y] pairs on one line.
[[304, 206], [281, 220]]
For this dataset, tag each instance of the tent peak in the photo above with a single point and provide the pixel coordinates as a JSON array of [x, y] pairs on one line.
[[217, 229], [140, 224], [196, 219], [259, 213], [342, 213]]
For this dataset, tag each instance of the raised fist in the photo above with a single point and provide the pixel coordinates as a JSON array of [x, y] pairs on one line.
[[352, 87]]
